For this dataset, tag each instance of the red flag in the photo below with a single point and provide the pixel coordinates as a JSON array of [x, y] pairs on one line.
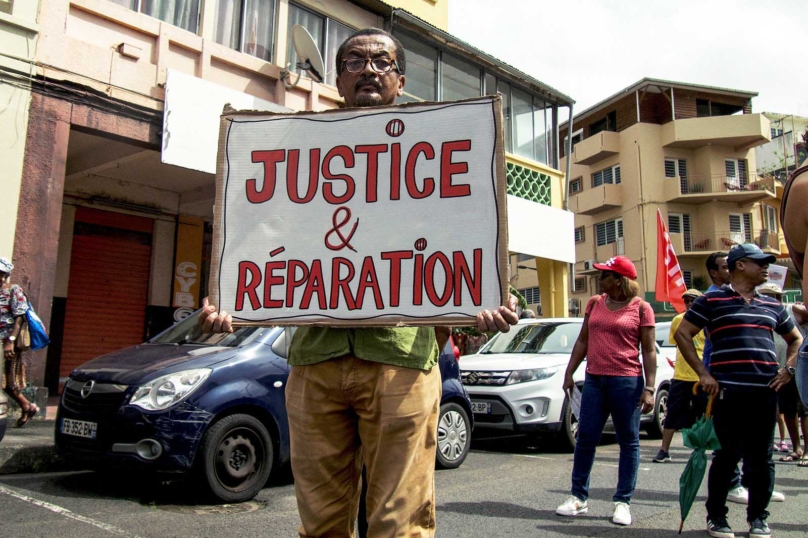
[[670, 284]]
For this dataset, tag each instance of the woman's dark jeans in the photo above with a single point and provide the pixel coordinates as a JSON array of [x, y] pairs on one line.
[[604, 395]]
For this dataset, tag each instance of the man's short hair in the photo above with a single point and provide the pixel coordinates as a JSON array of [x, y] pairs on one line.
[[401, 56], [711, 264]]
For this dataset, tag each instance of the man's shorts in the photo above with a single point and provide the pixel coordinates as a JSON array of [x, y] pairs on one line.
[[788, 400], [684, 409]]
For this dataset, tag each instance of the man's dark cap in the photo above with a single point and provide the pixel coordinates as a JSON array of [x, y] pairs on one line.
[[751, 251]]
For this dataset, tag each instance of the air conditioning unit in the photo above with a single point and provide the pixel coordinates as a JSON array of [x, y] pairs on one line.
[[589, 265]]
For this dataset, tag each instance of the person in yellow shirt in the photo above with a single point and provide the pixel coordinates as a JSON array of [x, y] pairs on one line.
[[683, 407]]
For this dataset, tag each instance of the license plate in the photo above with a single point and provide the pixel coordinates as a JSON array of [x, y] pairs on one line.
[[481, 407], [79, 428]]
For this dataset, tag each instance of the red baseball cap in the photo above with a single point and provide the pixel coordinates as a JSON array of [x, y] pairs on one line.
[[620, 265]]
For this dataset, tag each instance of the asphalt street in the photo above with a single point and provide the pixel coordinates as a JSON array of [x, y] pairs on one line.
[[507, 487]]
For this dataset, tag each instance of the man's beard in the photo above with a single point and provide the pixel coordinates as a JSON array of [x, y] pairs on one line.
[[364, 99]]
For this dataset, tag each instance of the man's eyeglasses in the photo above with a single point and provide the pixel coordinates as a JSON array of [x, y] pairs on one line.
[[379, 65]]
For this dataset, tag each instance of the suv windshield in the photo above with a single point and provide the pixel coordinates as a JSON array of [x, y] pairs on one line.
[[535, 338], [188, 331], [662, 332]]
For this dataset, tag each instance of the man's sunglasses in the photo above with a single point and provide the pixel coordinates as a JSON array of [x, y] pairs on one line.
[[379, 65]]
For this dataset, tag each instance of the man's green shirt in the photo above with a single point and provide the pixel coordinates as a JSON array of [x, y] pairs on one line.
[[410, 347]]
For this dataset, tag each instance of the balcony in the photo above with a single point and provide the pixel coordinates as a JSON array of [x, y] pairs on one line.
[[597, 147], [740, 132], [601, 198], [698, 244], [702, 189]]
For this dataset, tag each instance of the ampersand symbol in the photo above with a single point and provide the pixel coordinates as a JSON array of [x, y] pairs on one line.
[[337, 226]]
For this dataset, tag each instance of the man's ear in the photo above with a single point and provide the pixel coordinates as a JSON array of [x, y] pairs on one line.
[[339, 86], [401, 80]]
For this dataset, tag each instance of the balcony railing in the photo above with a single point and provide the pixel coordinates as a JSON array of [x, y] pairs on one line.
[[742, 188], [698, 243]]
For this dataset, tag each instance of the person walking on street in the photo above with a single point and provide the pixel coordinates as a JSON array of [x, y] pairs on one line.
[[13, 306], [372, 395], [744, 378], [615, 324], [684, 408]]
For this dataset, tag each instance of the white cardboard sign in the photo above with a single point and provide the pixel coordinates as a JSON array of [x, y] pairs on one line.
[[361, 217]]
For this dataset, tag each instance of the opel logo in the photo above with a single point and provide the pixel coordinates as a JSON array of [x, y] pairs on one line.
[[87, 389]]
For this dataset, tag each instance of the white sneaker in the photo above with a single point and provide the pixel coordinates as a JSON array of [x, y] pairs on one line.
[[777, 497], [738, 495], [622, 514], [572, 507]]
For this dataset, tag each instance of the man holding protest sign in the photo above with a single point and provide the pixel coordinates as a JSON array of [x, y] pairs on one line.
[[366, 395]]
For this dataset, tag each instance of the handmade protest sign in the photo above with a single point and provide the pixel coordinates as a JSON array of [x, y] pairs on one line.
[[361, 217]]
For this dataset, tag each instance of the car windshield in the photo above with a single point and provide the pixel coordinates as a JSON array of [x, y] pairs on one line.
[[662, 332], [188, 331], [535, 338]]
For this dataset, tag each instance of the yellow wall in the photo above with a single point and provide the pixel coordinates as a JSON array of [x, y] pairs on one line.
[[18, 33]]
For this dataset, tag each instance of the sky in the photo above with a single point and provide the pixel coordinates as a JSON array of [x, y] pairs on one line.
[[591, 49]]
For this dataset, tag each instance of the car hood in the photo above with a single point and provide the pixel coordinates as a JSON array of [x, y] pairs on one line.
[[138, 364], [500, 362]]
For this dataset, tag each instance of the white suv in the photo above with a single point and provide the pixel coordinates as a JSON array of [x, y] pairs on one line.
[[515, 380]]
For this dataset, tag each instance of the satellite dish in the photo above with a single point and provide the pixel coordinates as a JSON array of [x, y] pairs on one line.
[[308, 57]]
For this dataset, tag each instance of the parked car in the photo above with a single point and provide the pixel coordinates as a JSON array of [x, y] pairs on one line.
[[210, 405], [663, 329], [515, 381]]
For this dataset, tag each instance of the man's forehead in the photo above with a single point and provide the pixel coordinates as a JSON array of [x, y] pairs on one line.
[[370, 44]]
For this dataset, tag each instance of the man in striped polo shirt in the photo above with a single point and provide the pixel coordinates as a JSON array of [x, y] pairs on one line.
[[744, 376]]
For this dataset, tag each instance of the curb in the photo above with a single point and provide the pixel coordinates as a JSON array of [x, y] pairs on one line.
[[30, 449]]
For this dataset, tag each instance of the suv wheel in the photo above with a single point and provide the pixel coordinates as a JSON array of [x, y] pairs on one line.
[[569, 428], [454, 436], [236, 458], [654, 427]]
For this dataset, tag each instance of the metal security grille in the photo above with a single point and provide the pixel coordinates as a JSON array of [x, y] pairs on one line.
[[531, 295], [528, 184]]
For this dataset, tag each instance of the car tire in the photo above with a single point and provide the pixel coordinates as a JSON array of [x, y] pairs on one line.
[[236, 457], [454, 436], [654, 428], [568, 435]]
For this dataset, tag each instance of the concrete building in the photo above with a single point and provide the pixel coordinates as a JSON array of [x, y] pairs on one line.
[[112, 238], [786, 150], [685, 149]]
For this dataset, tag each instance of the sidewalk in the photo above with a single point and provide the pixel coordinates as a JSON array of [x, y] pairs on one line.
[[30, 449]]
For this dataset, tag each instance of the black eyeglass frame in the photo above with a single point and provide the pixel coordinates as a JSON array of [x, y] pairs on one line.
[[393, 65]]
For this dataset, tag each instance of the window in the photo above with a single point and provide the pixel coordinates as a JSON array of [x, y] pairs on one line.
[[677, 168], [680, 224], [327, 33], [182, 13], [579, 234], [531, 295], [608, 175], [609, 123], [777, 131], [247, 26], [688, 276], [460, 79], [608, 232], [706, 108], [576, 185], [422, 70], [740, 227], [579, 284], [736, 173], [770, 218]]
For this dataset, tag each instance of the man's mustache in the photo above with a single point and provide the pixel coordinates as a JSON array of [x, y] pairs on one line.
[[369, 81]]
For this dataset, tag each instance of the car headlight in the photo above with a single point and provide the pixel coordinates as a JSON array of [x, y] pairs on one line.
[[534, 374], [168, 390]]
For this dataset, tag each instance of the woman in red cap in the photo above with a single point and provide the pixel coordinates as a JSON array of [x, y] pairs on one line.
[[615, 323]]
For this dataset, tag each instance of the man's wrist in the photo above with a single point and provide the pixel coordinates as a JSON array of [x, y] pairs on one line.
[[790, 369], [652, 390]]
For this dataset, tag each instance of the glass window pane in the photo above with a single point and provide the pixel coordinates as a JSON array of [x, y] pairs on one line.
[[460, 79], [131, 4], [227, 23], [505, 89], [523, 124], [422, 70], [490, 84], [337, 33], [259, 28], [312, 22], [540, 130], [182, 13]]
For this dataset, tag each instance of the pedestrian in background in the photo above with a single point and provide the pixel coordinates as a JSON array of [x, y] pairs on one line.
[[13, 306], [684, 408], [744, 377], [615, 324]]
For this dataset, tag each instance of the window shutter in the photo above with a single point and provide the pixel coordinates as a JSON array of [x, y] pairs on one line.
[[674, 223], [686, 231], [600, 233], [682, 168], [742, 172], [747, 227], [597, 179], [579, 234], [730, 168], [735, 223], [607, 176], [619, 227], [610, 232], [688, 276], [670, 168], [617, 175]]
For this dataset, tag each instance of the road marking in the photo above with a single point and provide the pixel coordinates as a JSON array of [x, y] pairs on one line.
[[67, 513]]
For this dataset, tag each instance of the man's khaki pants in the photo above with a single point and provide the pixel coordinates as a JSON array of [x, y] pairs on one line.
[[344, 412]]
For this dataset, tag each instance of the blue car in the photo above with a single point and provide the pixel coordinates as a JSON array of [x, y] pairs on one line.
[[211, 406]]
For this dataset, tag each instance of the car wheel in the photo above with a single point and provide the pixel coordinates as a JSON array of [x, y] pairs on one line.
[[569, 429], [654, 427], [236, 458], [454, 436]]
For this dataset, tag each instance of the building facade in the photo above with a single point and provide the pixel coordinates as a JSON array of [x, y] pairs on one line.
[[787, 148], [113, 237], [685, 149]]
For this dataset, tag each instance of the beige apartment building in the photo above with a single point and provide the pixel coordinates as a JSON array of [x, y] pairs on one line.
[[685, 149], [112, 234]]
